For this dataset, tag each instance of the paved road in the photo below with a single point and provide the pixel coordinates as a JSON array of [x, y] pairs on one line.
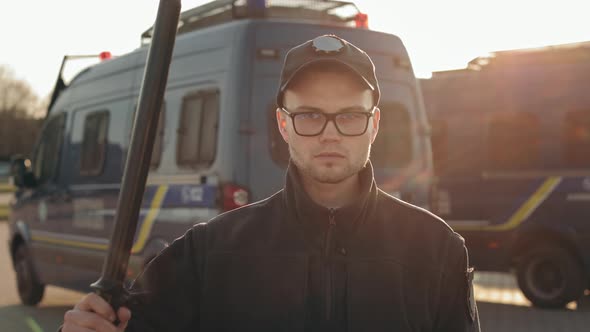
[[5, 198], [17, 318], [502, 306]]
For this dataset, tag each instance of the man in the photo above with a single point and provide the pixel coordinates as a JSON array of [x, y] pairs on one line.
[[329, 252]]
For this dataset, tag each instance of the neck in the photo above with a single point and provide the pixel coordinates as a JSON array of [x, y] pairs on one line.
[[332, 195]]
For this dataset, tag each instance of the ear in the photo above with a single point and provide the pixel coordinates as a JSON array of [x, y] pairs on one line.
[[282, 124], [375, 124]]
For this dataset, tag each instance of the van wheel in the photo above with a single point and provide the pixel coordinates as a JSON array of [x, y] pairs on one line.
[[550, 277], [30, 290]]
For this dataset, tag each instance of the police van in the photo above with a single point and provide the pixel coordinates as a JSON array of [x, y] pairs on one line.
[[217, 146], [511, 150]]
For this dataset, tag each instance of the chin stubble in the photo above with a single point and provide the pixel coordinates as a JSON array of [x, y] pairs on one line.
[[328, 176]]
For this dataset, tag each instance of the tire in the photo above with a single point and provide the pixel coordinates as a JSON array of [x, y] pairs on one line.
[[550, 277], [30, 290]]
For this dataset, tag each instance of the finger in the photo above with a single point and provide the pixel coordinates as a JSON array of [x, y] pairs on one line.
[[122, 326], [93, 302], [89, 320], [124, 317], [124, 314]]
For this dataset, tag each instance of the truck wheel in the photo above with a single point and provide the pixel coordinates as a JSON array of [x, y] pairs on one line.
[[550, 277], [30, 290]]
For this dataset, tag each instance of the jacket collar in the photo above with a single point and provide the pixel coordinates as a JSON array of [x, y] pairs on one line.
[[315, 218]]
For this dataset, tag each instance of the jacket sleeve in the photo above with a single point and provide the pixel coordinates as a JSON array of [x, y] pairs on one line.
[[165, 296], [457, 307]]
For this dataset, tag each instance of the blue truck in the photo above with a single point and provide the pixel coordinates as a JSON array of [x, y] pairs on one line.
[[511, 151]]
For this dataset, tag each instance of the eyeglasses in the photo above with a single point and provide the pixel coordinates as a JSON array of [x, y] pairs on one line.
[[350, 123]]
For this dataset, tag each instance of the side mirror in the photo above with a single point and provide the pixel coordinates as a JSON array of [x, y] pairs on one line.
[[21, 173]]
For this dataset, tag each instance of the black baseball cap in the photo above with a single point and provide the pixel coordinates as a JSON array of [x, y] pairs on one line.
[[333, 49]]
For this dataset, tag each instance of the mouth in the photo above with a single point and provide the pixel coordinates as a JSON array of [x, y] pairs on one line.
[[329, 155]]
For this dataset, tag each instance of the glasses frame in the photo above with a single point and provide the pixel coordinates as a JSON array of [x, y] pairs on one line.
[[331, 117]]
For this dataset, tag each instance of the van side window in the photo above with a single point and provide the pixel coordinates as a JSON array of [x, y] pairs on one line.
[[197, 130], [576, 139], [49, 149], [94, 143], [279, 150], [393, 145], [159, 140], [513, 142]]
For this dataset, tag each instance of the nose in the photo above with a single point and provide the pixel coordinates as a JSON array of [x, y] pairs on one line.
[[330, 132]]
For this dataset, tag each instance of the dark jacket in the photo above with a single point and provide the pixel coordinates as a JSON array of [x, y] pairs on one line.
[[288, 264]]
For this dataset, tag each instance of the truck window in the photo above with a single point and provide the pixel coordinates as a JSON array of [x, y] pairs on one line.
[[513, 142], [576, 139], [94, 143], [439, 146], [49, 148], [197, 130], [393, 145]]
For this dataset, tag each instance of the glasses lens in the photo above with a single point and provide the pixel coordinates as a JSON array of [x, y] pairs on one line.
[[353, 123], [309, 123]]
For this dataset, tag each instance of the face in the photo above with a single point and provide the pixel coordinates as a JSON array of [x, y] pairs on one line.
[[329, 157]]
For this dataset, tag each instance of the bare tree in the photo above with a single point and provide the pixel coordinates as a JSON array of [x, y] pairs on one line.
[[18, 105]]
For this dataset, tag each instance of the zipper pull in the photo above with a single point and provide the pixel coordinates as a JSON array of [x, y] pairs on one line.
[[332, 218]]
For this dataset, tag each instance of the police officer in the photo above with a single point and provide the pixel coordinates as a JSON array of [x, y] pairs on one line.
[[329, 252]]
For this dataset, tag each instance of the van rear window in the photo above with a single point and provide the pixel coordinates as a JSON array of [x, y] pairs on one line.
[[197, 130], [279, 150], [393, 145]]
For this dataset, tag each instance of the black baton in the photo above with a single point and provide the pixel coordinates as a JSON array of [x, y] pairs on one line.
[[110, 285]]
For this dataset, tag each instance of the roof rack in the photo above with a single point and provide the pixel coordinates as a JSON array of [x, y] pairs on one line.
[[334, 12]]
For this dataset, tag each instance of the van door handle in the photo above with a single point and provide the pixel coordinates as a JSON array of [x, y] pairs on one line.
[[65, 196]]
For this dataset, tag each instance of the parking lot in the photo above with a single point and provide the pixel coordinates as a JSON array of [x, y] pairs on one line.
[[502, 306]]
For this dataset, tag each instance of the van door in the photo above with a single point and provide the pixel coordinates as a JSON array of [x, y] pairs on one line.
[[95, 155]]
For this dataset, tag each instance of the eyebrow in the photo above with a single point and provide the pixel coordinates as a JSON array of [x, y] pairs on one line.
[[316, 109]]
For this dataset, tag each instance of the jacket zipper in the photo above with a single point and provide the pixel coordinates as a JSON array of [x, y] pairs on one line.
[[328, 265]]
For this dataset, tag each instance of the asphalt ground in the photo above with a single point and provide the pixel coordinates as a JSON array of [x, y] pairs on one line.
[[502, 306]]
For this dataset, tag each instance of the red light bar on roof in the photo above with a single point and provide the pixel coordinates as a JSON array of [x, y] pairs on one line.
[[105, 56], [362, 21]]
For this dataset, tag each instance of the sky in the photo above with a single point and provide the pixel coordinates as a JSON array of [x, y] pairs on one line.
[[439, 34]]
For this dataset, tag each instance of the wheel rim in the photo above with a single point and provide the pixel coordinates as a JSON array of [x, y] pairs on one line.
[[546, 278]]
